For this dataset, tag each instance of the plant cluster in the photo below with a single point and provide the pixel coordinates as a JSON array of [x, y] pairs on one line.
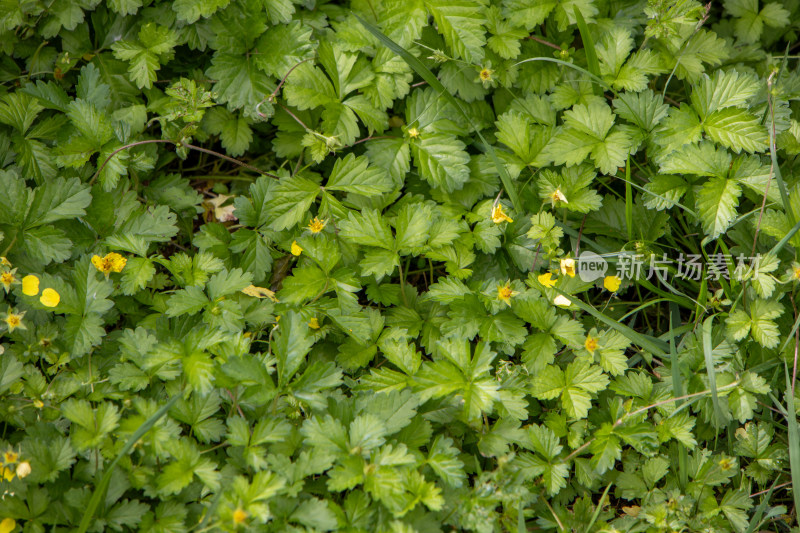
[[304, 265]]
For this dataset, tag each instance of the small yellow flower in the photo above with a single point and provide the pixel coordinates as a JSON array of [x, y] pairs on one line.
[[7, 279], [112, 262], [498, 216], [13, 321], [38, 403], [562, 301], [313, 323], [259, 292], [558, 196], [591, 344], [568, 267], [7, 525], [796, 273], [8, 474], [10, 457], [505, 293], [30, 285], [23, 469], [50, 297], [612, 283], [486, 74], [239, 516], [546, 279], [316, 225], [4, 262], [296, 249], [413, 133], [726, 463]]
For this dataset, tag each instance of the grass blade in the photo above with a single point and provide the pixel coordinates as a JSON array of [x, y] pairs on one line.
[[711, 371], [655, 346], [599, 506], [588, 47], [754, 522], [434, 82], [677, 391], [100, 489], [794, 439], [628, 195]]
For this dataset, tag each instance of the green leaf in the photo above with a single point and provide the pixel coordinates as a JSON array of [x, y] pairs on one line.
[[367, 228], [353, 174], [442, 161], [461, 24], [291, 201], [291, 343], [716, 204]]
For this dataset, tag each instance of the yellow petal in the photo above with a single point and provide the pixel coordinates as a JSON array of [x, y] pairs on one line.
[[313, 323], [259, 292], [546, 279], [117, 261], [612, 283], [7, 525], [30, 285], [296, 248], [239, 516], [568, 267], [590, 344], [97, 261], [50, 297]]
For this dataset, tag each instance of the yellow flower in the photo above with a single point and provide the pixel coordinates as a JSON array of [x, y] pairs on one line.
[[23, 469], [7, 525], [568, 267], [796, 273], [413, 133], [4, 262], [591, 344], [726, 463], [505, 293], [30, 285], [7, 279], [259, 292], [38, 403], [498, 216], [316, 225], [486, 74], [558, 196], [239, 516], [562, 300], [14, 321], [8, 474], [296, 249], [112, 262], [313, 323], [546, 279], [10, 457], [612, 283], [50, 297]]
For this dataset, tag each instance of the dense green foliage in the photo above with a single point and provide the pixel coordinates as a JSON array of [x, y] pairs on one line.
[[428, 360]]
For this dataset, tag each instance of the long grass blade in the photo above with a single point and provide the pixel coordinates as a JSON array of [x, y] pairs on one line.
[[677, 390], [655, 346], [434, 82], [756, 520], [100, 489], [599, 507], [588, 46], [794, 439], [711, 371]]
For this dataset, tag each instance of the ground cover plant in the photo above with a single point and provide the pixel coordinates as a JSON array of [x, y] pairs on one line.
[[399, 266]]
